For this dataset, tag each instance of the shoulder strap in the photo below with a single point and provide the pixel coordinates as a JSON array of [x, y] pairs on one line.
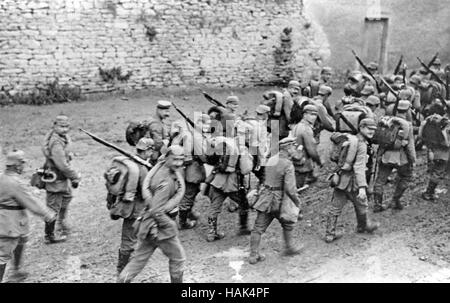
[[348, 123]]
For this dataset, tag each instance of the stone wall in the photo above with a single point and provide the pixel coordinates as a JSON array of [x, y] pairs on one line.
[[416, 28], [161, 43]]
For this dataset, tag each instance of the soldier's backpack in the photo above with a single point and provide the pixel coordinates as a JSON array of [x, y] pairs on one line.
[[297, 109], [274, 100], [434, 133], [225, 154], [122, 179], [387, 134], [135, 131], [343, 150], [347, 121]]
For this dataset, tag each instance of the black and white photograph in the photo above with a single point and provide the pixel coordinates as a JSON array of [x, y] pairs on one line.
[[237, 143]]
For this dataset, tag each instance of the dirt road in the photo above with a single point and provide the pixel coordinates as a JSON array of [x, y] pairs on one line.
[[411, 246]]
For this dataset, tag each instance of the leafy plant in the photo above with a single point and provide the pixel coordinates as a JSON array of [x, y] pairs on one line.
[[115, 73]]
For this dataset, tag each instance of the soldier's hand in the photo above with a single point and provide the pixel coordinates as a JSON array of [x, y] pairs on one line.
[[362, 194], [50, 217]]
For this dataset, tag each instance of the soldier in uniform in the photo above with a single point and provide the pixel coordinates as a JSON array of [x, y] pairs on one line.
[[289, 95], [352, 186], [325, 75], [57, 154], [304, 134], [279, 185], [438, 157], [402, 157], [158, 227], [14, 225], [158, 128], [194, 145], [144, 150], [373, 102]]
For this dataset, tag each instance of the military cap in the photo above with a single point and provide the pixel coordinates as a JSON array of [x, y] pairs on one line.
[[373, 100], [372, 65], [176, 150], [403, 105], [262, 109], [294, 83], [368, 122], [368, 90], [62, 120], [356, 76], [325, 90], [326, 70], [15, 157], [315, 77], [232, 99], [389, 79], [162, 104], [437, 61], [415, 79], [145, 143], [310, 108], [285, 142]]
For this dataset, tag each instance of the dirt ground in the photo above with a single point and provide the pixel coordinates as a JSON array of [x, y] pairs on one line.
[[411, 246]]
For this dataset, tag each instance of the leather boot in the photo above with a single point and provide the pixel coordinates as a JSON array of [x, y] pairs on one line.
[[2, 271], [364, 225], [378, 203], [50, 237], [62, 222], [243, 223], [396, 204], [330, 233], [176, 278], [290, 250], [212, 232], [429, 194], [18, 275], [124, 257], [184, 223], [255, 256]]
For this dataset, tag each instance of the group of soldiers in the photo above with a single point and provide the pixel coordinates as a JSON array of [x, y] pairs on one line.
[[277, 143]]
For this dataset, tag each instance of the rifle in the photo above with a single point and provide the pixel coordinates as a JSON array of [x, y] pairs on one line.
[[398, 66], [123, 152], [212, 100], [432, 60], [439, 81], [367, 71], [188, 120], [404, 74], [382, 80]]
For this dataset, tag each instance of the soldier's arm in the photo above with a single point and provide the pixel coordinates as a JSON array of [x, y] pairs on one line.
[[288, 103], [324, 118], [24, 198], [310, 145], [61, 163], [289, 185], [359, 167], [410, 148], [156, 133]]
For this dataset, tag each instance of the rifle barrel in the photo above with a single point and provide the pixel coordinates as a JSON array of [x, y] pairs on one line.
[[116, 148]]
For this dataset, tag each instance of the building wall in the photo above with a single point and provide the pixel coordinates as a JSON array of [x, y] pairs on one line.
[[416, 28], [163, 43]]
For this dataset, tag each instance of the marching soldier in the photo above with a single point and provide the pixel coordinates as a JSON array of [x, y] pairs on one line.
[[438, 155], [144, 150], [279, 186], [158, 227], [352, 186], [195, 156], [14, 223], [158, 128], [401, 156], [289, 95], [373, 102], [57, 154], [304, 134]]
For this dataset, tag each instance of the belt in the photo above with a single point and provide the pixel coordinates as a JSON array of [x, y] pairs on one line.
[[272, 188], [12, 207]]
